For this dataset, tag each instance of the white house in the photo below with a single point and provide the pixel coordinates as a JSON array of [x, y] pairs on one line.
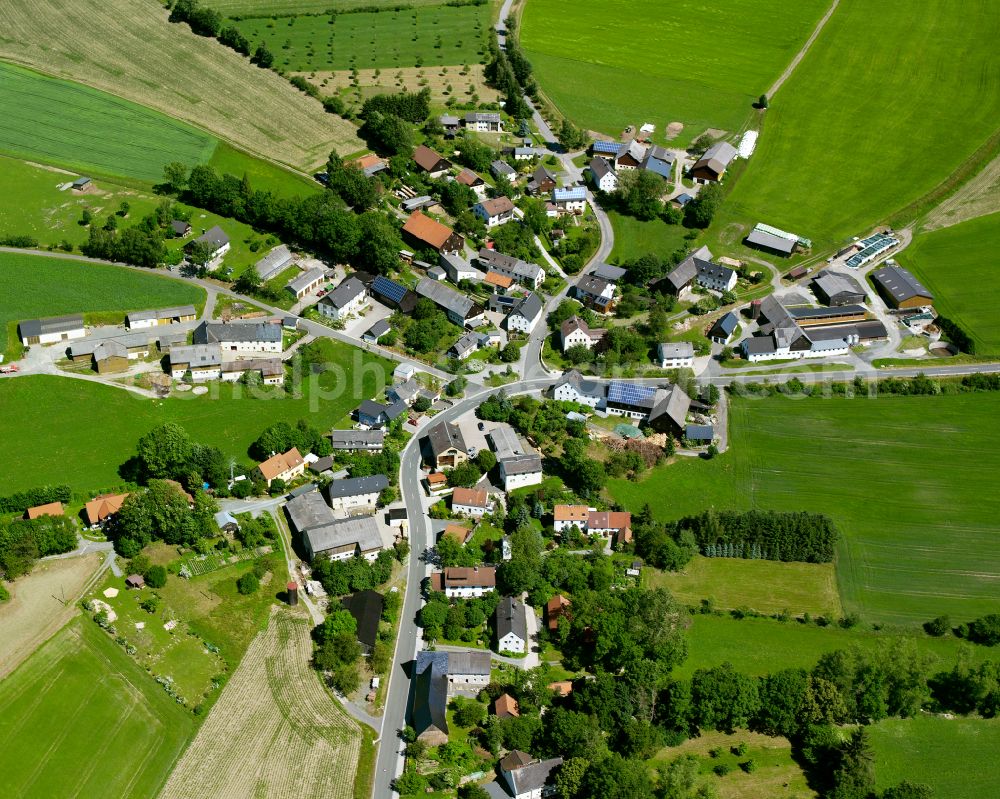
[[511, 626], [573, 388], [458, 269], [241, 338], [716, 276], [347, 299], [526, 777], [203, 361], [356, 494], [139, 320], [679, 355], [497, 211], [602, 175], [525, 314], [483, 122], [52, 329], [282, 466], [565, 517], [570, 199], [216, 243], [471, 502], [465, 581], [577, 333], [519, 471]]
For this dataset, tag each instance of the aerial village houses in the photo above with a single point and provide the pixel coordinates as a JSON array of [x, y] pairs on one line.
[[659, 161], [565, 517], [596, 292], [457, 269], [345, 300], [366, 608], [497, 211], [570, 199], [602, 175], [375, 415], [501, 169], [48, 509], [483, 122], [430, 232], [393, 294], [101, 508], [837, 288], [530, 275], [698, 267], [203, 361], [520, 465], [52, 329], [527, 777], [900, 289], [541, 181], [323, 533], [723, 328], [437, 676], [284, 466], [430, 162], [216, 244], [525, 314], [629, 157], [464, 581], [713, 164], [573, 387], [469, 178]]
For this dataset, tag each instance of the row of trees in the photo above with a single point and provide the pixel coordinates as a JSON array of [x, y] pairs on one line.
[[23, 542], [32, 497], [161, 511]]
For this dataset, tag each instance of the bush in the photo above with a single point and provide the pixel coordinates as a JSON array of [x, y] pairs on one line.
[[938, 627], [4, 593], [722, 769], [155, 576], [248, 584]]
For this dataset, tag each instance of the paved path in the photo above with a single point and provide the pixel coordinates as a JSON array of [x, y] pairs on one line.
[[802, 52]]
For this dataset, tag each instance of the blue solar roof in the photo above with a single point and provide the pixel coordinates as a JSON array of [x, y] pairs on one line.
[[389, 289], [607, 147], [629, 393], [570, 193]]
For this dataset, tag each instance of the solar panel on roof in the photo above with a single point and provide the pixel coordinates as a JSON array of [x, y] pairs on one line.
[[629, 393], [606, 147], [389, 289]]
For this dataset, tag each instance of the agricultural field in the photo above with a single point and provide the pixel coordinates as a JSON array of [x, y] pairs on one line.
[[205, 85], [78, 127], [958, 265], [761, 585], [41, 603], [373, 40], [818, 173], [85, 681], [604, 66], [956, 757], [42, 286], [262, 174], [267, 8], [634, 238], [922, 545], [275, 731], [225, 418]]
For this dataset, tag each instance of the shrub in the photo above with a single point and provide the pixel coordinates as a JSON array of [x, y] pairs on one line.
[[938, 627], [155, 576], [248, 584]]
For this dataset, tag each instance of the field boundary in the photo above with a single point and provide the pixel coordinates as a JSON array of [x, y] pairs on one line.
[[802, 52]]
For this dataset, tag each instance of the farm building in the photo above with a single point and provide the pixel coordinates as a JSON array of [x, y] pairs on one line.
[[432, 233], [429, 711], [271, 370], [699, 433], [180, 228], [216, 243], [659, 161], [163, 316], [240, 337], [630, 156], [376, 331], [723, 328], [356, 493], [370, 164], [357, 440], [306, 283], [602, 175], [871, 248], [471, 502], [460, 309], [393, 294], [203, 361], [483, 122], [525, 314], [49, 509], [713, 164], [501, 169], [279, 259], [837, 288], [763, 240], [366, 608], [450, 123], [541, 181], [837, 315], [900, 289], [52, 329], [575, 388], [469, 178]]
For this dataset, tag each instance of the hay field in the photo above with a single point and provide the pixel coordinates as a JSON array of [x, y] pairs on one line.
[[607, 65], [36, 611], [129, 49], [882, 109], [275, 731], [412, 79], [80, 719]]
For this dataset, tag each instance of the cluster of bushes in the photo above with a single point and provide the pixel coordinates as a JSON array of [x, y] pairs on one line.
[[456, 619], [387, 120], [342, 577], [161, 512], [920, 385], [281, 437], [32, 497], [767, 535], [984, 630], [23, 542], [956, 334], [154, 576]]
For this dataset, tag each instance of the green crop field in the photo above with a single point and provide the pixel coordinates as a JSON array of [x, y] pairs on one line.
[[75, 126], [256, 8], [955, 757], [74, 409], [634, 238], [958, 264], [367, 40], [81, 719], [608, 65], [908, 480], [881, 110], [37, 286]]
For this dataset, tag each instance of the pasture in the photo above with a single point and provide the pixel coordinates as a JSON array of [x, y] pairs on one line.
[[77, 685], [167, 68], [275, 731], [39, 286], [606, 66], [958, 265], [955, 757], [81, 128], [908, 481], [373, 40], [876, 115]]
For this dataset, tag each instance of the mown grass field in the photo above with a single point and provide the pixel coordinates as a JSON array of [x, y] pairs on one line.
[[38, 286], [612, 64], [81, 719], [958, 265], [167, 68], [74, 410], [369, 40], [275, 730], [79, 127], [908, 480], [634, 238], [955, 757], [880, 111]]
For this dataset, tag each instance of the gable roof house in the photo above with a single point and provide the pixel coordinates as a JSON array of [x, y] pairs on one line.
[[511, 626], [464, 581], [138, 320], [430, 162], [596, 292], [465, 346], [376, 331], [713, 164], [525, 314], [460, 309], [215, 240], [483, 122], [659, 161], [611, 523], [676, 355], [450, 123], [541, 181], [570, 199], [602, 175], [429, 712], [279, 259], [472, 502], [393, 294], [527, 777], [765, 240], [240, 337], [357, 440], [204, 361], [527, 274], [458, 269], [663, 408], [366, 608], [469, 178], [505, 707], [103, 507], [573, 387], [306, 283], [629, 156], [447, 446], [322, 533], [838, 288], [48, 509], [407, 391], [900, 289], [282, 466], [566, 516], [574, 332], [51, 329], [497, 211], [501, 169], [180, 228], [723, 328], [425, 230], [356, 493]]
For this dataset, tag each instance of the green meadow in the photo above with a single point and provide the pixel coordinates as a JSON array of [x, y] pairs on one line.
[[908, 481], [634, 238], [406, 37], [608, 65], [37, 286], [882, 109], [251, 8], [958, 265], [81, 719], [74, 126]]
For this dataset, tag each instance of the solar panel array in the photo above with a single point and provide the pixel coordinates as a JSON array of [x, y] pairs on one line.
[[389, 289], [608, 147], [629, 393], [873, 247]]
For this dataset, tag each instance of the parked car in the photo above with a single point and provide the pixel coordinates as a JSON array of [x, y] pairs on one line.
[[482, 426]]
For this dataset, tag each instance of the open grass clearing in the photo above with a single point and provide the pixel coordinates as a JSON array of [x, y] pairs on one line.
[[275, 731], [634, 238], [36, 286], [958, 264], [40, 603], [761, 585], [368, 40], [263, 175], [858, 131], [956, 757], [908, 481], [81, 719], [608, 65], [169, 69]]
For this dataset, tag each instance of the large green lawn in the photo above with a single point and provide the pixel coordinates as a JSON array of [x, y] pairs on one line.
[[82, 128], [81, 719], [384, 39], [908, 480], [634, 238], [262, 174], [956, 757], [881, 110], [608, 65], [959, 265], [37, 286]]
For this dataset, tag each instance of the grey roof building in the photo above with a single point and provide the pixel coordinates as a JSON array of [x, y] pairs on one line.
[[838, 288], [466, 345], [356, 487], [236, 332], [366, 608], [429, 713], [510, 618], [358, 535], [763, 240], [459, 307], [347, 292], [196, 356], [177, 312], [274, 262], [305, 280], [357, 440], [659, 161], [501, 169], [33, 328], [900, 288], [608, 272]]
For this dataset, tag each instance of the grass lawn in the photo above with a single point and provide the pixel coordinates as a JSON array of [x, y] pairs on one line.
[[36, 286], [606, 65], [78, 127], [80, 718], [958, 265], [857, 132], [956, 757], [908, 480], [381, 39], [761, 585], [74, 409], [634, 238]]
